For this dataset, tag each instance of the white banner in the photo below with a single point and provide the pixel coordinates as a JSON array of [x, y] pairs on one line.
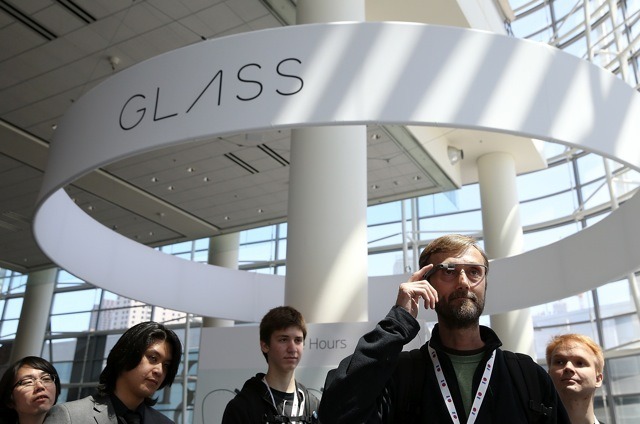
[[339, 74]]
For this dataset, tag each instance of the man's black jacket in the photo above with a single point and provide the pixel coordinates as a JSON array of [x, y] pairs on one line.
[[371, 386], [254, 404]]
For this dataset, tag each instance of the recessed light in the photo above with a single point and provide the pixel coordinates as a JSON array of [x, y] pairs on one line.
[[171, 188], [226, 218], [191, 169], [154, 180], [260, 210], [206, 179]]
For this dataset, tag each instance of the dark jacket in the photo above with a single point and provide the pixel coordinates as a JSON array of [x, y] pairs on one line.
[[371, 386], [254, 405]]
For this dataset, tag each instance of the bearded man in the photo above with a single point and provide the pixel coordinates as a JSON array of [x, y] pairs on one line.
[[459, 376]]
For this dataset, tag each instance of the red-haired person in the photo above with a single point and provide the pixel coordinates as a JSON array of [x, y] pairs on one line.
[[575, 365]]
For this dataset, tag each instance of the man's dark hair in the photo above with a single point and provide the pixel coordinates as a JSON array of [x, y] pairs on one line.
[[129, 350], [7, 384], [280, 318]]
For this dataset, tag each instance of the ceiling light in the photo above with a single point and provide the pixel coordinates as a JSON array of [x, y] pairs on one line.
[[206, 179], [455, 155], [114, 61], [191, 169], [375, 187], [154, 180], [171, 188]]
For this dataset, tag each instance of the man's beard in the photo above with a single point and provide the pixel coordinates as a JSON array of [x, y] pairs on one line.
[[465, 314]]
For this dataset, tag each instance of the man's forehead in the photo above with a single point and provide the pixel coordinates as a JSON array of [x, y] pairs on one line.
[[470, 252], [160, 347], [572, 349], [289, 331]]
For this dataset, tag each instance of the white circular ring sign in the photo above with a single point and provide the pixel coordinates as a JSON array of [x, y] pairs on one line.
[[335, 74]]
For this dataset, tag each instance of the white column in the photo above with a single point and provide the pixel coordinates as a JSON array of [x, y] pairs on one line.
[[503, 237], [34, 315], [327, 228], [223, 251], [326, 238]]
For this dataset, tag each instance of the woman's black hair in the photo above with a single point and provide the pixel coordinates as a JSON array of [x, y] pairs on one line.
[[129, 350], [7, 383]]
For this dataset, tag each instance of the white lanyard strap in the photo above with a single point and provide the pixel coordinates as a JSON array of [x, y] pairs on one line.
[[295, 408], [446, 393]]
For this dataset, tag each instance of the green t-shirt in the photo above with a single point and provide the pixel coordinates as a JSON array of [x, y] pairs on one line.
[[465, 367]]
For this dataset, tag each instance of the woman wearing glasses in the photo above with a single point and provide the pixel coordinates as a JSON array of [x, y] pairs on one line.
[[28, 389]]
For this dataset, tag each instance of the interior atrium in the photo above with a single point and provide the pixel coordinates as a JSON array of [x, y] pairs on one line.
[[575, 190]]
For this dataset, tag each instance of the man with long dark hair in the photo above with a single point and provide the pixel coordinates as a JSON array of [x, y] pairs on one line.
[[145, 359]]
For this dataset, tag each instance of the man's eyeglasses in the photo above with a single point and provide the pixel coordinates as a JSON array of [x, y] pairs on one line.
[[450, 272], [45, 379]]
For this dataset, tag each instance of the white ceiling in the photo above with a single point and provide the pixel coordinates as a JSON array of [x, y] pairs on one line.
[[52, 52]]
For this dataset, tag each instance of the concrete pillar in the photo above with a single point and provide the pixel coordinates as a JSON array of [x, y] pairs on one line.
[[223, 251], [327, 228], [503, 237], [34, 315]]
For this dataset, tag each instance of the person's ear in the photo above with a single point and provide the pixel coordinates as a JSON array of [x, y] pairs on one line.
[[599, 378], [264, 346]]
